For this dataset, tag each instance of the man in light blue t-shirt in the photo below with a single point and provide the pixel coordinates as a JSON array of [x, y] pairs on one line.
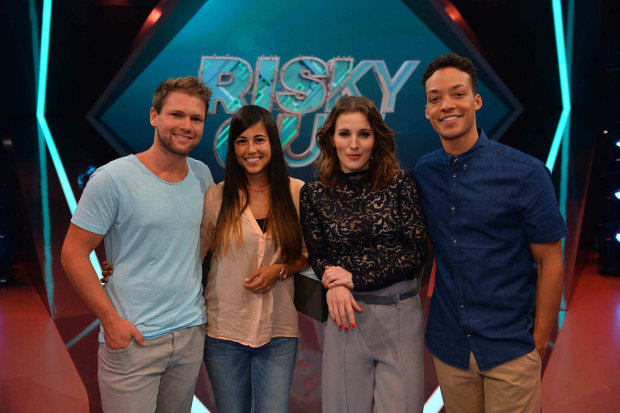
[[147, 209]]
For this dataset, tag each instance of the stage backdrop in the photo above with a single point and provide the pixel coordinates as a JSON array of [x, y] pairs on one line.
[[296, 58]]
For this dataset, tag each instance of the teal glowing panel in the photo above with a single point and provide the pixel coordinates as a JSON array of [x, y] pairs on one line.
[[296, 59]]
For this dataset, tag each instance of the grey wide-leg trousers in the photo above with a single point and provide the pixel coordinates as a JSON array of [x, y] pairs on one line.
[[378, 366]]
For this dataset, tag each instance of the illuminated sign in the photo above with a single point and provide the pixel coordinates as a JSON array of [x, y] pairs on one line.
[[266, 53], [303, 85]]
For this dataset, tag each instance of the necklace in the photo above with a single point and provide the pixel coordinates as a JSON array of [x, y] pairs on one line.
[[261, 189]]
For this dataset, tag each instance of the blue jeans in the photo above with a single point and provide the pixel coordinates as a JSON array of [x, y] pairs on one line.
[[247, 379]]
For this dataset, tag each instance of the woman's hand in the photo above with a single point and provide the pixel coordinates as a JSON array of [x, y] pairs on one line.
[[341, 304], [333, 276], [107, 270], [262, 279]]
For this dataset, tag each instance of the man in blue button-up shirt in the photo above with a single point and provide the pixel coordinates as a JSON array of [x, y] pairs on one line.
[[496, 229]]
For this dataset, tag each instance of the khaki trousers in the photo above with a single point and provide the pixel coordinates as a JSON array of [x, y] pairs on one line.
[[512, 387]]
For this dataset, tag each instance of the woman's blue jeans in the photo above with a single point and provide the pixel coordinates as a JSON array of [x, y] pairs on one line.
[[251, 380]]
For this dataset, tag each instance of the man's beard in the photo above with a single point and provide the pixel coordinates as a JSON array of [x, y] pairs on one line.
[[167, 144]]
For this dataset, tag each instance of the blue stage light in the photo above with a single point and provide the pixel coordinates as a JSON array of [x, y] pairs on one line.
[[46, 21], [617, 194], [83, 178], [560, 45]]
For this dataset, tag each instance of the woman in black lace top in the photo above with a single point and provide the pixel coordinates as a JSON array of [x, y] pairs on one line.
[[366, 238]]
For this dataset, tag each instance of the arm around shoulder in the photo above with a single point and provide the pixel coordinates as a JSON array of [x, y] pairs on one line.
[[210, 211]]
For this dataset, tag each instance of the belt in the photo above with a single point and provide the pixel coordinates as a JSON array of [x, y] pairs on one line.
[[384, 299]]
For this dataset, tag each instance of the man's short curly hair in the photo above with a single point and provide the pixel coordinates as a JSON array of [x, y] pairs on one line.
[[453, 60]]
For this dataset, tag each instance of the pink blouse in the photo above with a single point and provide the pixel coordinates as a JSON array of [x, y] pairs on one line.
[[234, 313]]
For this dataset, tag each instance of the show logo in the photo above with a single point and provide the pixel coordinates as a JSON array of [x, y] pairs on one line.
[[302, 92]]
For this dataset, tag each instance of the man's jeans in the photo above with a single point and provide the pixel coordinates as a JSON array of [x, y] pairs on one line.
[[247, 379], [160, 377]]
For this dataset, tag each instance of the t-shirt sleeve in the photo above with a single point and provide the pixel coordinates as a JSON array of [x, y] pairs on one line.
[[98, 206], [541, 218]]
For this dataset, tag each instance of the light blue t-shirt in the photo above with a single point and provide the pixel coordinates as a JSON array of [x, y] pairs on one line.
[[152, 236]]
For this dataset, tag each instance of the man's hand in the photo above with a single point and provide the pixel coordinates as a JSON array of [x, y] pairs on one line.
[[334, 276], [118, 334], [341, 305], [542, 343], [107, 270]]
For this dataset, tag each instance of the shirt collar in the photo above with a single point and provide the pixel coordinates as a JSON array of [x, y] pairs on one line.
[[480, 143]]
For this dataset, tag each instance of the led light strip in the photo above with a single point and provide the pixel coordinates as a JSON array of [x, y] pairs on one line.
[[43, 126], [434, 403], [41, 91], [562, 134], [560, 46]]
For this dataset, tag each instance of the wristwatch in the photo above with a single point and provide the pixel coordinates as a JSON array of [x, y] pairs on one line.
[[283, 273]]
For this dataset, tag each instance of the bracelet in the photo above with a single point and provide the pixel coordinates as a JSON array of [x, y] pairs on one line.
[[283, 273]]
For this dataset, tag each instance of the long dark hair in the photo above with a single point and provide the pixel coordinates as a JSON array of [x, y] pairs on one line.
[[284, 222], [384, 166]]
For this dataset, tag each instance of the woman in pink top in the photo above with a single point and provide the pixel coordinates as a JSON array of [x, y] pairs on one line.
[[251, 224]]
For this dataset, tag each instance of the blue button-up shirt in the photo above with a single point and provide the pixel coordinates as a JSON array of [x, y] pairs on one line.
[[483, 209]]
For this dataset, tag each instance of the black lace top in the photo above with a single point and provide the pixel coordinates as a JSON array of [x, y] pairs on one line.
[[378, 236]]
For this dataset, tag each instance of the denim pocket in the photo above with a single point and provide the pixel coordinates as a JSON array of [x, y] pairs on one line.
[[117, 351]]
